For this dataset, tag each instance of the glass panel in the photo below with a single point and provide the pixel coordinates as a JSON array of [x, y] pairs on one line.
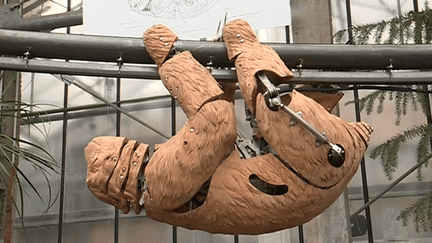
[[145, 230], [197, 236]]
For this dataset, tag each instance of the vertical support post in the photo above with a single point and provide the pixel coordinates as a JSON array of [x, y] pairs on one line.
[[415, 3], [363, 173], [118, 122], [63, 165], [358, 119], [64, 150], [173, 132], [349, 22], [301, 235]]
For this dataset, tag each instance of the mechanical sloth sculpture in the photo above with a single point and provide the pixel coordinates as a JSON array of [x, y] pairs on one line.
[[198, 180]]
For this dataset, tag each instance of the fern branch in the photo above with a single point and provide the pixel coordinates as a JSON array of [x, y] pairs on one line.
[[388, 151], [420, 213]]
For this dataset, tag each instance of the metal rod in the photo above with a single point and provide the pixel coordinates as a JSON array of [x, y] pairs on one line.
[[98, 111], [64, 150], [79, 68], [118, 127], [363, 173], [48, 22], [63, 165], [301, 235], [314, 56], [91, 107], [221, 75], [393, 184], [349, 22], [174, 234], [86, 89], [415, 3], [320, 137]]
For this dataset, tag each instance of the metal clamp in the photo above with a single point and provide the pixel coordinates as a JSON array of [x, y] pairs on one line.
[[27, 56], [336, 154], [245, 147], [120, 62]]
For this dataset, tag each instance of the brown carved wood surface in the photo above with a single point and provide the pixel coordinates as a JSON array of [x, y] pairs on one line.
[[251, 57], [159, 47], [197, 179], [114, 164]]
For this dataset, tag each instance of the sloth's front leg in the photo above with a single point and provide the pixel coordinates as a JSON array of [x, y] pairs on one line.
[[181, 166]]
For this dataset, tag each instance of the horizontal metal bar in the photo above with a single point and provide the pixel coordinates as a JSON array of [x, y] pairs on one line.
[[48, 22], [100, 111], [79, 68], [311, 56], [221, 75]]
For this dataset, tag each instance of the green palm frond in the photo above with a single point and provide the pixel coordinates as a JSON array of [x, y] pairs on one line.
[[35, 155]]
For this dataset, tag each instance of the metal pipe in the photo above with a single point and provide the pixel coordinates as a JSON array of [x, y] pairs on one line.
[[63, 165], [79, 68], [131, 50], [98, 111], [393, 184], [221, 75], [363, 173], [415, 3], [48, 22], [349, 22]]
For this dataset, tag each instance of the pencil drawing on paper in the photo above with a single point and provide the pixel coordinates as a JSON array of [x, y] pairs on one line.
[[171, 9]]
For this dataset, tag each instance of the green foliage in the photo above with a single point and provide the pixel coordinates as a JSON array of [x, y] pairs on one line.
[[413, 27], [400, 98], [420, 212], [407, 29], [12, 148], [388, 151]]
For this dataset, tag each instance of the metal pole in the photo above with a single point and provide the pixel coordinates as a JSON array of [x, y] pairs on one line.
[[415, 3], [173, 132], [393, 184], [349, 22], [118, 126], [221, 75], [48, 22], [63, 165], [363, 174], [64, 150], [301, 235], [314, 56]]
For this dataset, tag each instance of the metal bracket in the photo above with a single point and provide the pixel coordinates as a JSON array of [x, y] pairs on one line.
[[390, 68], [120, 62], [245, 147], [27, 56], [336, 153], [299, 67]]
